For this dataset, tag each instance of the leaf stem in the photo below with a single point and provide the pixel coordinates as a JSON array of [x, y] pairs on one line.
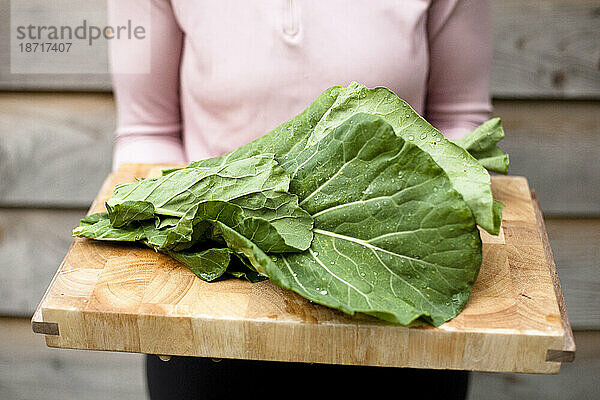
[[169, 213]]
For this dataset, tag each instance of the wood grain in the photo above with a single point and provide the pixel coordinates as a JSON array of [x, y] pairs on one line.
[[128, 298]]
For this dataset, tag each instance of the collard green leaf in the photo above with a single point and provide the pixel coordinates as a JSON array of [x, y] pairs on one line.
[[208, 264], [93, 218], [97, 226], [393, 238], [121, 214], [468, 176], [208, 259], [245, 249], [266, 216], [482, 142], [191, 228], [241, 268], [257, 185], [173, 194], [283, 213], [249, 275]]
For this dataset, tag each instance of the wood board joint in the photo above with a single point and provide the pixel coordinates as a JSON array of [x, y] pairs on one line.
[[45, 328], [560, 355]]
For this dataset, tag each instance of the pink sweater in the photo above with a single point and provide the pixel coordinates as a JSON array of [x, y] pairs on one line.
[[225, 72]]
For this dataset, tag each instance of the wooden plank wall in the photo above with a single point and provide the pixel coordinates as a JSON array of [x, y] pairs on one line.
[[64, 81], [546, 49], [555, 144], [55, 149], [30, 370]]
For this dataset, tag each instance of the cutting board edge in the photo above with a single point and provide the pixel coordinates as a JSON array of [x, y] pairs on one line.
[[567, 353], [242, 334]]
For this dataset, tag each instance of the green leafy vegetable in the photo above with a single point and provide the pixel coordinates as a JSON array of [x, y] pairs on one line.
[[468, 176], [392, 237], [482, 144], [248, 196], [357, 203]]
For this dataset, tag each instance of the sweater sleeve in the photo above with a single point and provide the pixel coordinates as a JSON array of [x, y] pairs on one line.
[[148, 110], [459, 35]]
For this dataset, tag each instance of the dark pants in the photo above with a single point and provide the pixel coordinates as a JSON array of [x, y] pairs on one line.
[[203, 378]]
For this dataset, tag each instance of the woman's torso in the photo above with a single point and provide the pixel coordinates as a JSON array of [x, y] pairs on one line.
[[248, 66]]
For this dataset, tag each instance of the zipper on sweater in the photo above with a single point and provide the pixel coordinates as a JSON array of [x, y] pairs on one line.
[[291, 23]]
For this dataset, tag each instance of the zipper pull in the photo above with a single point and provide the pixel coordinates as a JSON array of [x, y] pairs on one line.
[[291, 23]]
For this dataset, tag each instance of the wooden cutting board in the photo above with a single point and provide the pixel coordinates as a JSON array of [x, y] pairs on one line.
[[122, 297]]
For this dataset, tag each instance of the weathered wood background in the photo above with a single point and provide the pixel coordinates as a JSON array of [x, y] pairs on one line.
[[55, 150]]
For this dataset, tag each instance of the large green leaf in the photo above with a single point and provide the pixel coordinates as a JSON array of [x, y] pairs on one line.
[[177, 213], [467, 175], [192, 228], [482, 142], [98, 226], [257, 185], [393, 238], [208, 264], [207, 254], [175, 193]]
